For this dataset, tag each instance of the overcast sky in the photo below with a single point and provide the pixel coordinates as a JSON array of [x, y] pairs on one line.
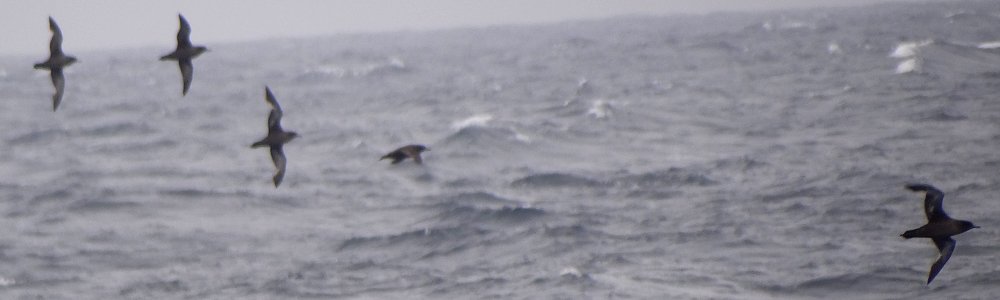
[[112, 24]]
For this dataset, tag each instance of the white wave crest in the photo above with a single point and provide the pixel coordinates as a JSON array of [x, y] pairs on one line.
[[600, 109], [908, 66], [834, 48], [571, 272], [989, 45], [908, 49], [521, 137], [390, 64], [477, 120]]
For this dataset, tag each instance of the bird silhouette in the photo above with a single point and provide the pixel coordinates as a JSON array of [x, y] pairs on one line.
[[56, 62], [408, 151], [184, 53], [939, 228], [276, 137]]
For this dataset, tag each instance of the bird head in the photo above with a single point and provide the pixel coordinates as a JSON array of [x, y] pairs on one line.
[[966, 225], [199, 50]]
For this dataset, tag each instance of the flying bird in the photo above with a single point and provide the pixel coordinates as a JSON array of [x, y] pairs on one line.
[[56, 62], [276, 137], [184, 53], [408, 151], [939, 228]]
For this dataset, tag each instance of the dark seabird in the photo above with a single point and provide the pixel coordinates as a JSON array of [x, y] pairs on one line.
[[408, 151], [939, 226], [276, 137], [56, 62], [184, 53]]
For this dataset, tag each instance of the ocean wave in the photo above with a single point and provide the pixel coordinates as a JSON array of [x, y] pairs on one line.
[[54, 195], [484, 137], [718, 45], [864, 283], [742, 163], [941, 114], [989, 45], [191, 193], [94, 205], [944, 58], [556, 180], [910, 65], [671, 177], [578, 233], [583, 88], [137, 147], [118, 129], [833, 48], [486, 198], [794, 25], [479, 120], [154, 288], [42, 136], [909, 49], [506, 214], [424, 237], [967, 17], [483, 284], [600, 109], [391, 65], [312, 280], [797, 193]]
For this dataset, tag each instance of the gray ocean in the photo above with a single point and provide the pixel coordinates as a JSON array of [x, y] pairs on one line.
[[722, 156]]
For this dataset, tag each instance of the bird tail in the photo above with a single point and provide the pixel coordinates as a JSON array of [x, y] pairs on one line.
[[911, 234], [258, 144]]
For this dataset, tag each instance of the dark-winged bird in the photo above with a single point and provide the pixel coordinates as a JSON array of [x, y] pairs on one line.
[[940, 227], [408, 151], [56, 62], [184, 53], [276, 137]]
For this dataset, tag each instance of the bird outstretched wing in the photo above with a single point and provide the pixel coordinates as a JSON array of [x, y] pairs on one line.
[[933, 201], [183, 34], [187, 74], [55, 45], [278, 156], [273, 119], [945, 246], [60, 84]]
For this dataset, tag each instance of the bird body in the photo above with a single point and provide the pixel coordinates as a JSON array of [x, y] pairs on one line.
[[275, 138], [940, 229], [56, 62], [185, 53]]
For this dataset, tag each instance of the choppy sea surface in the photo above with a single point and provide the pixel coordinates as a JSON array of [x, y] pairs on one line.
[[721, 156]]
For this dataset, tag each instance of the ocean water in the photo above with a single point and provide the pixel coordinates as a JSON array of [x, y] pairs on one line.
[[721, 156]]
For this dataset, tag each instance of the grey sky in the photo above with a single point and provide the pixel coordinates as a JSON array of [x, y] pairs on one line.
[[110, 24]]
